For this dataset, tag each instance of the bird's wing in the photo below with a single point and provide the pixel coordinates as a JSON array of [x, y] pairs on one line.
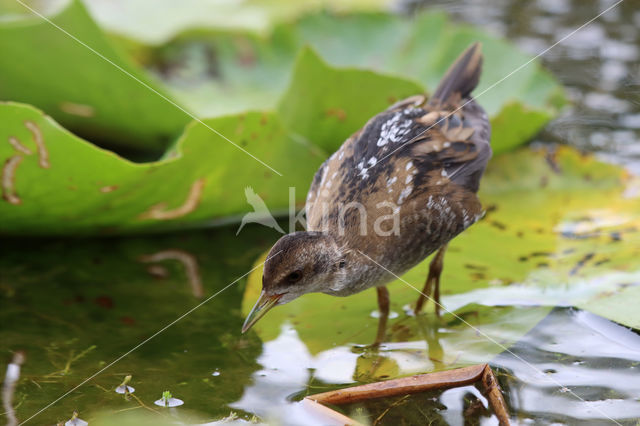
[[312, 194], [410, 151]]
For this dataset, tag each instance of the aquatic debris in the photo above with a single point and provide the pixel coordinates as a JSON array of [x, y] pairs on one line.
[[329, 413], [440, 380], [168, 400], [232, 417], [9, 386], [75, 421], [124, 388]]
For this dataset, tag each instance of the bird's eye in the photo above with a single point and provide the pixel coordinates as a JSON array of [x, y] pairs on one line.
[[294, 277], [341, 264]]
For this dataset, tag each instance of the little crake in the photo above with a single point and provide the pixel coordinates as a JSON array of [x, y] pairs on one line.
[[396, 191]]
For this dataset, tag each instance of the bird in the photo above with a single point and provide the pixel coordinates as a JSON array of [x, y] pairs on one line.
[[260, 213], [396, 191]]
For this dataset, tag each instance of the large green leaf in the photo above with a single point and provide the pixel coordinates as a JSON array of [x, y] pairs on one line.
[[84, 189], [325, 104], [86, 93], [70, 186], [154, 21], [205, 68], [559, 231], [87, 190]]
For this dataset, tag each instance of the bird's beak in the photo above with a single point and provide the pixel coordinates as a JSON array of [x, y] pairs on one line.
[[262, 306]]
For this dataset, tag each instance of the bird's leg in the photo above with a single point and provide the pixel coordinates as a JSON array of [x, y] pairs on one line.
[[433, 280], [383, 310], [429, 329]]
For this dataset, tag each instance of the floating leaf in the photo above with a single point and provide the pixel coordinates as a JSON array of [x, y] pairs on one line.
[[558, 231], [202, 178], [254, 70], [151, 22], [326, 105], [103, 98], [59, 184]]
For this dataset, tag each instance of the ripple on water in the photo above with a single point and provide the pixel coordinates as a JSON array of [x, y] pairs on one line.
[[572, 366]]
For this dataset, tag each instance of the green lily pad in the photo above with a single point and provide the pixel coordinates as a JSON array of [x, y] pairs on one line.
[[201, 178], [326, 105], [559, 230], [204, 69], [57, 183], [155, 22], [617, 302], [109, 101], [103, 99]]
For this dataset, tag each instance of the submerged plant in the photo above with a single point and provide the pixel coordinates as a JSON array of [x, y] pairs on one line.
[[75, 421], [124, 387], [167, 400]]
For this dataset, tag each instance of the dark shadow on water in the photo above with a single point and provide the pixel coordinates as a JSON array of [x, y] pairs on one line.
[[74, 306]]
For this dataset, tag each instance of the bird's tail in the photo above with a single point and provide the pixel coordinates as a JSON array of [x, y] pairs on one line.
[[461, 78]]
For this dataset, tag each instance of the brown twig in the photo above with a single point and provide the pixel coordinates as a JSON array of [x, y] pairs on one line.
[[493, 394], [440, 380], [403, 386]]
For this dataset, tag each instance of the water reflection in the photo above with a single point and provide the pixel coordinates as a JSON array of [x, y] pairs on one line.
[[572, 366], [286, 364], [594, 359]]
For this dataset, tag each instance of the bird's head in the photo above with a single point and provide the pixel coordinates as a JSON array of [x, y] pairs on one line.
[[299, 263]]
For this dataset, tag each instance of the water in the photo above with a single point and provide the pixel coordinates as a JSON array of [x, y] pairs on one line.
[[76, 306], [599, 65]]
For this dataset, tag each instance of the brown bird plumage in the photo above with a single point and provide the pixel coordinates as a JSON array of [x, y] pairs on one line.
[[396, 191]]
